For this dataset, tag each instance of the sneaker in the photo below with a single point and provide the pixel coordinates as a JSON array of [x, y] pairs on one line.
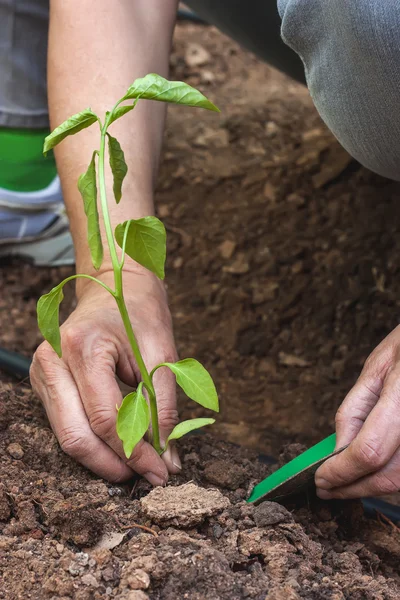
[[34, 226]]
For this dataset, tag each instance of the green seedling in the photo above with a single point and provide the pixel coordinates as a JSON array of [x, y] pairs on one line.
[[144, 240]]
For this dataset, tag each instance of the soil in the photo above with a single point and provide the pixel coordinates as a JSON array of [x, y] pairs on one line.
[[74, 536], [291, 247]]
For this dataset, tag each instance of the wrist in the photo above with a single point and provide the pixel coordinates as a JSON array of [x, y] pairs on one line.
[[137, 280]]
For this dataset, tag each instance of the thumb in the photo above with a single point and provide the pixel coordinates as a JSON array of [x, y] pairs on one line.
[[165, 389]]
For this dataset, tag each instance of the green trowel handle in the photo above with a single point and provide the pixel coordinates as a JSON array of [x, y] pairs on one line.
[[296, 474]]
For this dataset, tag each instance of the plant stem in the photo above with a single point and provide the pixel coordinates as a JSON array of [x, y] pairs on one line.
[[119, 296], [143, 371]]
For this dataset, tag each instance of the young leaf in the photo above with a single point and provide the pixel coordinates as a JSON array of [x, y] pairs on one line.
[[186, 426], [133, 420], [118, 165], [88, 189], [155, 87], [48, 316], [145, 243], [71, 126], [120, 111], [195, 381]]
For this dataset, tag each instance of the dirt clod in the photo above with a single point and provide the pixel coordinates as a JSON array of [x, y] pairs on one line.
[[271, 513], [15, 451], [223, 474], [184, 506]]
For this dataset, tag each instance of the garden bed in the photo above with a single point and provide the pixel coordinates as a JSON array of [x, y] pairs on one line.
[[65, 534], [292, 248]]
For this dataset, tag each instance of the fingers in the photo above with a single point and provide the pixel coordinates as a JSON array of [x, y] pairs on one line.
[[355, 409], [385, 481], [53, 383], [156, 352], [376, 442], [91, 356]]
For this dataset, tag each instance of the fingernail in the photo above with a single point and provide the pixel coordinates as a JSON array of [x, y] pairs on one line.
[[176, 461], [324, 494], [171, 459], [154, 479], [322, 483]]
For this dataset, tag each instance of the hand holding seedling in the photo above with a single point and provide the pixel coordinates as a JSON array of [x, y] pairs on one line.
[[144, 241], [368, 420]]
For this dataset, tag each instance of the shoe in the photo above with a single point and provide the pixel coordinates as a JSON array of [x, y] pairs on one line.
[[34, 226]]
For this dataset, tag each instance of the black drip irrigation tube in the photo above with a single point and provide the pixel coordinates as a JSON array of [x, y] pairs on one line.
[[18, 365], [188, 15]]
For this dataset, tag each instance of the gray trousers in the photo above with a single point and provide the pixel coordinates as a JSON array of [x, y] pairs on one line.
[[349, 52]]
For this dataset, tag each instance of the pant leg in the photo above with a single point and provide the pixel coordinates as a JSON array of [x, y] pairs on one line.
[[23, 57], [255, 24], [351, 53]]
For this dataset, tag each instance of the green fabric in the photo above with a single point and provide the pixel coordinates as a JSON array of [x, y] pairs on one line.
[[23, 168], [306, 459]]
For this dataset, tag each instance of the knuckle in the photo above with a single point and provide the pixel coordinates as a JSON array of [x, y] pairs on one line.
[[136, 457], [385, 484], [102, 422], [370, 454], [341, 417], [43, 356], [168, 417], [73, 338], [74, 441]]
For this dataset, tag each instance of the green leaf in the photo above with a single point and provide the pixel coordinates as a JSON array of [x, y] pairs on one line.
[[118, 165], [88, 189], [48, 316], [155, 87], [71, 126], [186, 426], [120, 111], [133, 420], [195, 381], [145, 243]]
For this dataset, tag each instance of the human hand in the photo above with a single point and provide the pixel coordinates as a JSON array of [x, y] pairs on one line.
[[369, 421], [80, 391]]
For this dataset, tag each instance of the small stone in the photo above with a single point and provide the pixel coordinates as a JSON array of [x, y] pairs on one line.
[[264, 293], [178, 262], [312, 134], [227, 248], [60, 548], [15, 451], [271, 513], [196, 55], [89, 579], [114, 491], [270, 191], [137, 580], [239, 267], [207, 76], [296, 199], [291, 360], [163, 210], [75, 569], [271, 129]]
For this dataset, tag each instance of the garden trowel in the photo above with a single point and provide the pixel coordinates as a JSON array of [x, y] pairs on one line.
[[297, 475]]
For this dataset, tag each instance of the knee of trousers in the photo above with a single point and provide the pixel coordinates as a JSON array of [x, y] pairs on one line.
[[351, 55]]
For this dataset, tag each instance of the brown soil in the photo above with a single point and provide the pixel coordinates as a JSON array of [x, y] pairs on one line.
[[291, 246], [65, 534]]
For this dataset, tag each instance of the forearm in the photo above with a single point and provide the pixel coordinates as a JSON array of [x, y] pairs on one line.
[[95, 53]]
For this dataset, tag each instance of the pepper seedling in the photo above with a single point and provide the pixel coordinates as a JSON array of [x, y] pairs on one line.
[[144, 240]]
